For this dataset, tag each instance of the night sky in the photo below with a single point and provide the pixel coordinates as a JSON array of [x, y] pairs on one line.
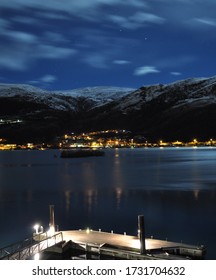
[[67, 44]]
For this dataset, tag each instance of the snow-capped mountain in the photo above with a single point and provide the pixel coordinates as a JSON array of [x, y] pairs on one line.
[[64, 100], [100, 94], [197, 91], [182, 109]]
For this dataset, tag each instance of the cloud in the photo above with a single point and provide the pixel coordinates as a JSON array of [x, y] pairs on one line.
[[22, 37], [144, 70], [12, 59], [14, 49], [121, 62], [100, 48], [141, 17], [53, 15], [4, 24], [93, 10], [25, 20], [96, 60], [96, 10], [20, 49], [53, 52], [69, 7], [81, 4], [48, 79], [175, 73], [137, 20], [61, 30], [54, 37], [206, 21]]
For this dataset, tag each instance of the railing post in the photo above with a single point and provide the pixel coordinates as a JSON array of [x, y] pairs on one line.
[[47, 240]]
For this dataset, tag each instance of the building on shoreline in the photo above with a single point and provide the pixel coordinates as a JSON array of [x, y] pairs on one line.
[[105, 139]]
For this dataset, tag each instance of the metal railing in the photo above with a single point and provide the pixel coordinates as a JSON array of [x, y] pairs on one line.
[[25, 249]]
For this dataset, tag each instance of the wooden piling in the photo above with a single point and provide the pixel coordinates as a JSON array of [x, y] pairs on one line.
[[141, 233], [52, 217]]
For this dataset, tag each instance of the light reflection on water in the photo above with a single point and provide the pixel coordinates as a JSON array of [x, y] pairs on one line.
[[174, 188]]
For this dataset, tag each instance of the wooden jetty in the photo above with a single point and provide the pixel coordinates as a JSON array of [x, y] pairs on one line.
[[99, 245], [129, 247]]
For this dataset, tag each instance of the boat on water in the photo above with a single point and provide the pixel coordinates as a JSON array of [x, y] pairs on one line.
[[70, 153]]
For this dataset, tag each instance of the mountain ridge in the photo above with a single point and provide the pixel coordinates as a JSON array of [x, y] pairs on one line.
[[183, 109]]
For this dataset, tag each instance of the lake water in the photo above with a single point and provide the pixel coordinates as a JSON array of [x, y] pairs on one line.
[[174, 188]]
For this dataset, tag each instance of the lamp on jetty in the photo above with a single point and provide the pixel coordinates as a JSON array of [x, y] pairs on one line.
[[36, 228], [141, 233]]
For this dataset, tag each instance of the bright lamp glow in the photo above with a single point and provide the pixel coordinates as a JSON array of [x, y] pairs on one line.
[[36, 227], [88, 230]]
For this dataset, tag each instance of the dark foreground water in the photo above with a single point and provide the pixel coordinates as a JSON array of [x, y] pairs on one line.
[[174, 188]]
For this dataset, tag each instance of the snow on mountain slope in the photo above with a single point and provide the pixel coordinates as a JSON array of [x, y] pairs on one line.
[[99, 92], [64, 100], [32, 94], [11, 89], [99, 95], [196, 90], [136, 99]]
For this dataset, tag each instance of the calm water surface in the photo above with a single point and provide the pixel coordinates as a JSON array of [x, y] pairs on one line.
[[174, 188]]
